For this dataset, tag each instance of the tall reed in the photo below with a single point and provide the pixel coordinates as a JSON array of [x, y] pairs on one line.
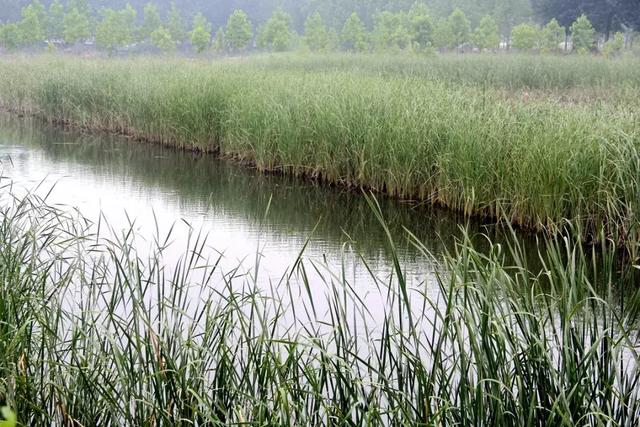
[[97, 332], [498, 137]]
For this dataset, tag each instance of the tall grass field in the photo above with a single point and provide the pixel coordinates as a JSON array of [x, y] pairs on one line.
[[541, 141]]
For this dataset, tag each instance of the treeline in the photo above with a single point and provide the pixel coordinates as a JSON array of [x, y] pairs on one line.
[[415, 28]]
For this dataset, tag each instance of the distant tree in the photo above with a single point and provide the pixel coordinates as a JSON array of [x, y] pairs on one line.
[[76, 26], [486, 35], [117, 28], [219, 42], [551, 36], [582, 34], [614, 46], [151, 21], [525, 37], [276, 34], [443, 37], [239, 31], [354, 35], [316, 34], [55, 21], [390, 31], [9, 36], [509, 13], [201, 33], [161, 38], [460, 27], [606, 16], [31, 29], [82, 6], [175, 24], [421, 27]]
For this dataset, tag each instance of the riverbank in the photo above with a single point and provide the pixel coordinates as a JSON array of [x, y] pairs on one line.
[[543, 142]]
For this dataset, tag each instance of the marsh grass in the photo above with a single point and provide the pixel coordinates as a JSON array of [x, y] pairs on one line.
[[528, 138], [96, 332]]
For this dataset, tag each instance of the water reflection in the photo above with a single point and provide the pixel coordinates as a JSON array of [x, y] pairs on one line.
[[242, 211]]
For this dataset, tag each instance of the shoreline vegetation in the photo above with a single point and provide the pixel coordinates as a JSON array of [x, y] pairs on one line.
[[544, 142], [93, 333]]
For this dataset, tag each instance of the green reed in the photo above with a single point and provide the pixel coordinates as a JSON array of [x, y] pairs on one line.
[[96, 331], [533, 139]]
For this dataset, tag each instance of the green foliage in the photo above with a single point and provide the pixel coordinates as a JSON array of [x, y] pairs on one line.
[[55, 21], [116, 29], [77, 26], [9, 36], [486, 35], [460, 27], [9, 417], [151, 21], [391, 31], [614, 46], [316, 34], [276, 34], [201, 33], [551, 36], [161, 38], [239, 31], [354, 35], [525, 37], [582, 34], [176, 25], [443, 37], [421, 27], [219, 42], [31, 29]]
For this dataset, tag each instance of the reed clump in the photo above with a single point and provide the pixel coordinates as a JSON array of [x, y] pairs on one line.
[[539, 141], [97, 332]]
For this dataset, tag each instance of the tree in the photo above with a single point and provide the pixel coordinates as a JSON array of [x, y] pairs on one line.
[[31, 28], [151, 21], [606, 16], [486, 35], [614, 46], [582, 34], [219, 41], [175, 24], [161, 38], [276, 34], [9, 36], [76, 26], [239, 31], [525, 36], [201, 33], [551, 36], [460, 27], [316, 34], [421, 26], [55, 21], [390, 31], [117, 28], [509, 13], [354, 36], [443, 37]]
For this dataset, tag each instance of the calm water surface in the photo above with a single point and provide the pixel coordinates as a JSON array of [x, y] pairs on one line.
[[243, 212]]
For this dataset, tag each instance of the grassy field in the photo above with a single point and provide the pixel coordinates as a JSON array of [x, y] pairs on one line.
[[540, 141], [91, 333]]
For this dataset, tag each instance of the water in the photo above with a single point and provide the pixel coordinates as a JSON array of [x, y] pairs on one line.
[[154, 189]]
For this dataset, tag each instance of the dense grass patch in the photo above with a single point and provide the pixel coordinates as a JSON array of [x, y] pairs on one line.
[[537, 140], [96, 333]]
